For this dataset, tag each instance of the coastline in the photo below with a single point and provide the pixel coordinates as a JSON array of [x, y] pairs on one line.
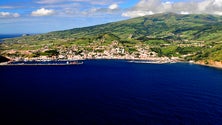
[[20, 64], [213, 64], [153, 60]]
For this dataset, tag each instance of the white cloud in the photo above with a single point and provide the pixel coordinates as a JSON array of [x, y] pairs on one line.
[[92, 11], [9, 15], [94, 2], [74, 8], [184, 13], [217, 3], [113, 6], [5, 14], [16, 15], [186, 7], [136, 13], [49, 1], [43, 12], [218, 13], [97, 12], [99, 2]]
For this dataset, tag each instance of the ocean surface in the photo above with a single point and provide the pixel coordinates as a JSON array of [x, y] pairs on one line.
[[3, 36], [111, 92]]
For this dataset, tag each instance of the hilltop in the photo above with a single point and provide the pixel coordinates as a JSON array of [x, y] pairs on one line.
[[189, 37]]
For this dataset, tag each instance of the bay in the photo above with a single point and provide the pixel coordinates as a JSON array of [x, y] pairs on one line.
[[111, 92]]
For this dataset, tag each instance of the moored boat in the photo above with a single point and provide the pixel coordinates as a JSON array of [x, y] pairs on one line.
[[73, 63]]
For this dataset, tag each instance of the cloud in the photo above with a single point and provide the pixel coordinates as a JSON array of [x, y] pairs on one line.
[[217, 3], [218, 13], [113, 6], [136, 13], [6, 7], [98, 12], [147, 7], [99, 2], [9, 15], [80, 8], [184, 13], [50, 1], [43, 12], [88, 11], [93, 2]]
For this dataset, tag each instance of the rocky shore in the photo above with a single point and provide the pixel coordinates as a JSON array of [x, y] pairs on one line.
[[210, 63]]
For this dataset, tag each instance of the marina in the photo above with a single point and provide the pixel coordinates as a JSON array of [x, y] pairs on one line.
[[48, 63]]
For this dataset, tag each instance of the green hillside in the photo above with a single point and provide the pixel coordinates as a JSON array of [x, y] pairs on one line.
[[190, 37], [168, 26]]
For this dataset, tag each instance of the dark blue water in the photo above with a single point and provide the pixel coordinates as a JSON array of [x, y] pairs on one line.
[[3, 36], [111, 92]]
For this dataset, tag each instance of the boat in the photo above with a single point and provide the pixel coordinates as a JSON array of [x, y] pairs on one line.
[[73, 63]]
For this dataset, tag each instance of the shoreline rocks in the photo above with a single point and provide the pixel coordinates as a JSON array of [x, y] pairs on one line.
[[210, 63]]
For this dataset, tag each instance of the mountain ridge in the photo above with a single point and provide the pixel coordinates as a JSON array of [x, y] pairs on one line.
[[144, 20]]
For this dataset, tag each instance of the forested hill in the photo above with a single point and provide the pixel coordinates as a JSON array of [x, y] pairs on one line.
[[192, 37]]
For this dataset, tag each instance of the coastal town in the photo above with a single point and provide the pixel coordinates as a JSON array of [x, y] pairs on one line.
[[114, 50]]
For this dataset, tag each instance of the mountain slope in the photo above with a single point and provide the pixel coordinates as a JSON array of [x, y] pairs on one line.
[[192, 37], [159, 25]]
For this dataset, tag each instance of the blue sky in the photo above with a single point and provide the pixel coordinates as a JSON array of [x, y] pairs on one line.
[[41, 16]]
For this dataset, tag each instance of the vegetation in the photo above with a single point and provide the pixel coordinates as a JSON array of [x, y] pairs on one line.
[[192, 37]]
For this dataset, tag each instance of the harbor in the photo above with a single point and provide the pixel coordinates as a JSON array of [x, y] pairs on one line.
[[42, 63]]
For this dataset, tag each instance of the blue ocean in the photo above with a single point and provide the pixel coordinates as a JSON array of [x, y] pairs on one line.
[[4, 36], [111, 92]]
